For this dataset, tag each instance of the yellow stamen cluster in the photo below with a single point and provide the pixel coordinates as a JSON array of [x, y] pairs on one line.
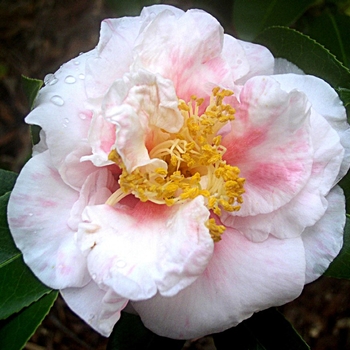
[[195, 164]]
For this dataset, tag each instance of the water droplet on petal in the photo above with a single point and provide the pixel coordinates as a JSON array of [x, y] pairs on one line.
[[69, 79], [120, 263], [30, 214], [50, 79], [93, 276], [66, 120], [82, 116], [57, 100], [80, 53], [76, 62], [81, 76]]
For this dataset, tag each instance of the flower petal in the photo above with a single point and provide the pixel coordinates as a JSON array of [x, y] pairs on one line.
[[270, 143], [140, 105], [309, 205], [116, 36], [326, 102], [241, 278], [38, 223], [61, 110], [148, 248], [324, 240], [98, 308], [192, 61]]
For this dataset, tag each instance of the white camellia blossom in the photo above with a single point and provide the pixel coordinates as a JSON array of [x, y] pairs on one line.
[[182, 174]]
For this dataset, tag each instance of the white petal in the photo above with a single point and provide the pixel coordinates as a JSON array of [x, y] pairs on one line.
[[241, 278], [99, 309], [324, 240], [140, 105], [38, 212], [148, 248], [326, 102], [62, 112]]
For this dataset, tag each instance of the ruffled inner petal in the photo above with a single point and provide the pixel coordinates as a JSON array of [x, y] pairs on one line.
[[140, 106], [139, 251]]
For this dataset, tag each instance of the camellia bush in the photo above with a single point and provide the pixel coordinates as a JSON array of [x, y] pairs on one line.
[[185, 181]]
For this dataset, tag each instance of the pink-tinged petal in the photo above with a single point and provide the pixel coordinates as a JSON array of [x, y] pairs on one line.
[[140, 106], [242, 277], [270, 143], [309, 205], [38, 211], [98, 308], [190, 53], [101, 139], [260, 60], [73, 171], [117, 36], [61, 110], [324, 240], [149, 248], [326, 102], [97, 188]]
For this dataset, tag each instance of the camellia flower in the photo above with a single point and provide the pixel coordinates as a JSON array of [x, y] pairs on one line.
[[182, 174]]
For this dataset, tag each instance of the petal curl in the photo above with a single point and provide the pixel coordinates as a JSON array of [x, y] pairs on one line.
[[61, 110], [326, 102], [309, 205], [324, 240], [99, 308], [270, 142], [140, 105], [38, 223], [149, 248], [241, 278]]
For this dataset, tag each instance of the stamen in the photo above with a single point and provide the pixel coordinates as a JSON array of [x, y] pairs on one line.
[[192, 154]]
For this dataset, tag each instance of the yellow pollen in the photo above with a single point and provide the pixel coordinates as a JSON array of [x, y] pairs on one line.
[[194, 164]]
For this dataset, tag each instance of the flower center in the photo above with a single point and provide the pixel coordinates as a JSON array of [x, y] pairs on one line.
[[195, 164]]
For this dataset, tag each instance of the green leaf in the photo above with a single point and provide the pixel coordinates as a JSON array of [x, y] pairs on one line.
[[8, 249], [332, 31], [131, 7], [340, 266], [344, 96], [265, 330], [253, 16], [31, 88], [17, 329], [7, 181], [129, 333], [307, 54], [19, 287]]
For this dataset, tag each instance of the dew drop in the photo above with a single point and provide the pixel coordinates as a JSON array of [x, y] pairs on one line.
[[30, 214], [93, 276], [57, 100], [120, 263], [76, 62], [81, 76], [82, 116], [80, 53], [70, 79], [50, 79]]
